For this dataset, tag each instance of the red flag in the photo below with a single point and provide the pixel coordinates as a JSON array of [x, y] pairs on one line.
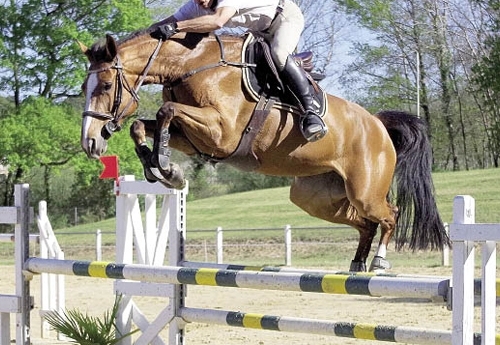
[[110, 167]]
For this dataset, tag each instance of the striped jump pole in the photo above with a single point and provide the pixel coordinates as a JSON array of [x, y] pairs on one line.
[[285, 281], [236, 267], [395, 334]]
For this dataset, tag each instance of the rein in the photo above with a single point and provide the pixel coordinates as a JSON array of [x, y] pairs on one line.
[[121, 83], [221, 63]]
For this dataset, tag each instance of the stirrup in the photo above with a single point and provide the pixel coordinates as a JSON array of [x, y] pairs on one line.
[[315, 130]]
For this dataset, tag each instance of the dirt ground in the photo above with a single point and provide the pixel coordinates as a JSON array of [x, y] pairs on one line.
[[95, 296]]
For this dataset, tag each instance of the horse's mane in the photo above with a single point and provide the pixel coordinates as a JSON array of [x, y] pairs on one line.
[[196, 36], [135, 35], [98, 51]]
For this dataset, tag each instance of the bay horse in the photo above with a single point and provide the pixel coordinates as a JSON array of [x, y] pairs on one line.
[[346, 177]]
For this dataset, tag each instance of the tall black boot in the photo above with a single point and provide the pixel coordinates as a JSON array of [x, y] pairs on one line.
[[311, 125]]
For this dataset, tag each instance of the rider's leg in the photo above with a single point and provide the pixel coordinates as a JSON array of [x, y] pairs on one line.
[[312, 126], [285, 33]]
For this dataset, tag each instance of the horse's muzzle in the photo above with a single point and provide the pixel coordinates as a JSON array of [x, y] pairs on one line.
[[94, 148]]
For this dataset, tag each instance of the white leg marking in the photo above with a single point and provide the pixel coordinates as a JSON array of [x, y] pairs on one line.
[[381, 251]]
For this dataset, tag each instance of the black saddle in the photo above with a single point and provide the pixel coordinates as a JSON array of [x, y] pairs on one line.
[[262, 79]]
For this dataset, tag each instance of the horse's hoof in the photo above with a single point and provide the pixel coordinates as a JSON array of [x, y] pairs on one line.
[[177, 179], [379, 264], [174, 176], [357, 266], [166, 184], [178, 186]]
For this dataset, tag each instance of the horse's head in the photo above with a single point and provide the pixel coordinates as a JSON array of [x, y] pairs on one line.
[[109, 97]]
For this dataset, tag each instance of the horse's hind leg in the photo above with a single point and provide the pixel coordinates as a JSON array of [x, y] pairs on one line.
[[367, 232], [369, 197], [324, 197], [379, 262]]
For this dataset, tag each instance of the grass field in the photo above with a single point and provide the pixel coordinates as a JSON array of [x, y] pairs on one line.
[[315, 242]]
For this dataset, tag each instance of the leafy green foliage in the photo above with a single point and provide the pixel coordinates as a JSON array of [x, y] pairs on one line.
[[39, 50], [487, 78], [88, 330], [39, 134], [42, 69]]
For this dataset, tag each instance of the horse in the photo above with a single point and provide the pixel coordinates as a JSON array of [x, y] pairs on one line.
[[369, 171]]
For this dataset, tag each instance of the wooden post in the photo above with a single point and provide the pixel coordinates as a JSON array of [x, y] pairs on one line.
[[463, 274], [23, 336], [288, 245], [219, 244]]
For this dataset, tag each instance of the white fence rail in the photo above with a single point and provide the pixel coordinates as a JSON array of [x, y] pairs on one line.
[[219, 242]]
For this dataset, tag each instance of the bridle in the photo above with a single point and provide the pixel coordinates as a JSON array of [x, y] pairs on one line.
[[114, 116]]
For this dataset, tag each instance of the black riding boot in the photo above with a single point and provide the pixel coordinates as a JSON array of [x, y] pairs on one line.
[[311, 125]]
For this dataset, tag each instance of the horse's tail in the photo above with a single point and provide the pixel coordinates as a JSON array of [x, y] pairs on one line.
[[419, 224]]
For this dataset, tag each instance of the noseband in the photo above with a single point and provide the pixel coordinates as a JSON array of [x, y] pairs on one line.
[[114, 116]]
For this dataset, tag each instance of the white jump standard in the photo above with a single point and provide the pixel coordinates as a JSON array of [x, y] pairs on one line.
[[169, 281]]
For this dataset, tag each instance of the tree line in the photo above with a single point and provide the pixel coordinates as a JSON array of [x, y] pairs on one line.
[[437, 59]]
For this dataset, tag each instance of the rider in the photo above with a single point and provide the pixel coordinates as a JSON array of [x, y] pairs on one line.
[[280, 21]]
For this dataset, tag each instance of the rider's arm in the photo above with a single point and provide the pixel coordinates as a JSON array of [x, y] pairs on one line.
[[207, 23]]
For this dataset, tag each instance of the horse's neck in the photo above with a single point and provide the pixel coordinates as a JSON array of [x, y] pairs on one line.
[[175, 59]]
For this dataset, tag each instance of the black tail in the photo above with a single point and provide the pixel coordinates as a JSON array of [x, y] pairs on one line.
[[419, 224]]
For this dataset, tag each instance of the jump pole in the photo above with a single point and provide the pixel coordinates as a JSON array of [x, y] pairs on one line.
[[394, 334], [261, 280], [253, 280], [440, 295]]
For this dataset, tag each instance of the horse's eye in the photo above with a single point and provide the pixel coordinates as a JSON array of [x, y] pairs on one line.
[[107, 86]]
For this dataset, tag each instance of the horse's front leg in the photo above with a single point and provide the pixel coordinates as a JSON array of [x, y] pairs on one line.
[[173, 176], [139, 132]]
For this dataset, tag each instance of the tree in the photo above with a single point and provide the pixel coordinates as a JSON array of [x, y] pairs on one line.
[[424, 50], [40, 134], [486, 75], [41, 72], [38, 52]]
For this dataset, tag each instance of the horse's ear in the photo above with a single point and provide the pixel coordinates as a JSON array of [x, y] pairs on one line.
[[83, 47], [111, 48]]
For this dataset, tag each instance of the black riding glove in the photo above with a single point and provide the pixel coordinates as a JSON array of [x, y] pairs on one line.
[[165, 31]]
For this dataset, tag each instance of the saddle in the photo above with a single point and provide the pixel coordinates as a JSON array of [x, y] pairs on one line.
[[261, 78]]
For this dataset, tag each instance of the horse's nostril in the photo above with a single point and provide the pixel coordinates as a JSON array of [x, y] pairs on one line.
[[91, 147]]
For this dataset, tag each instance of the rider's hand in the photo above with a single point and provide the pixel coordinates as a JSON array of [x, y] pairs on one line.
[[165, 31]]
